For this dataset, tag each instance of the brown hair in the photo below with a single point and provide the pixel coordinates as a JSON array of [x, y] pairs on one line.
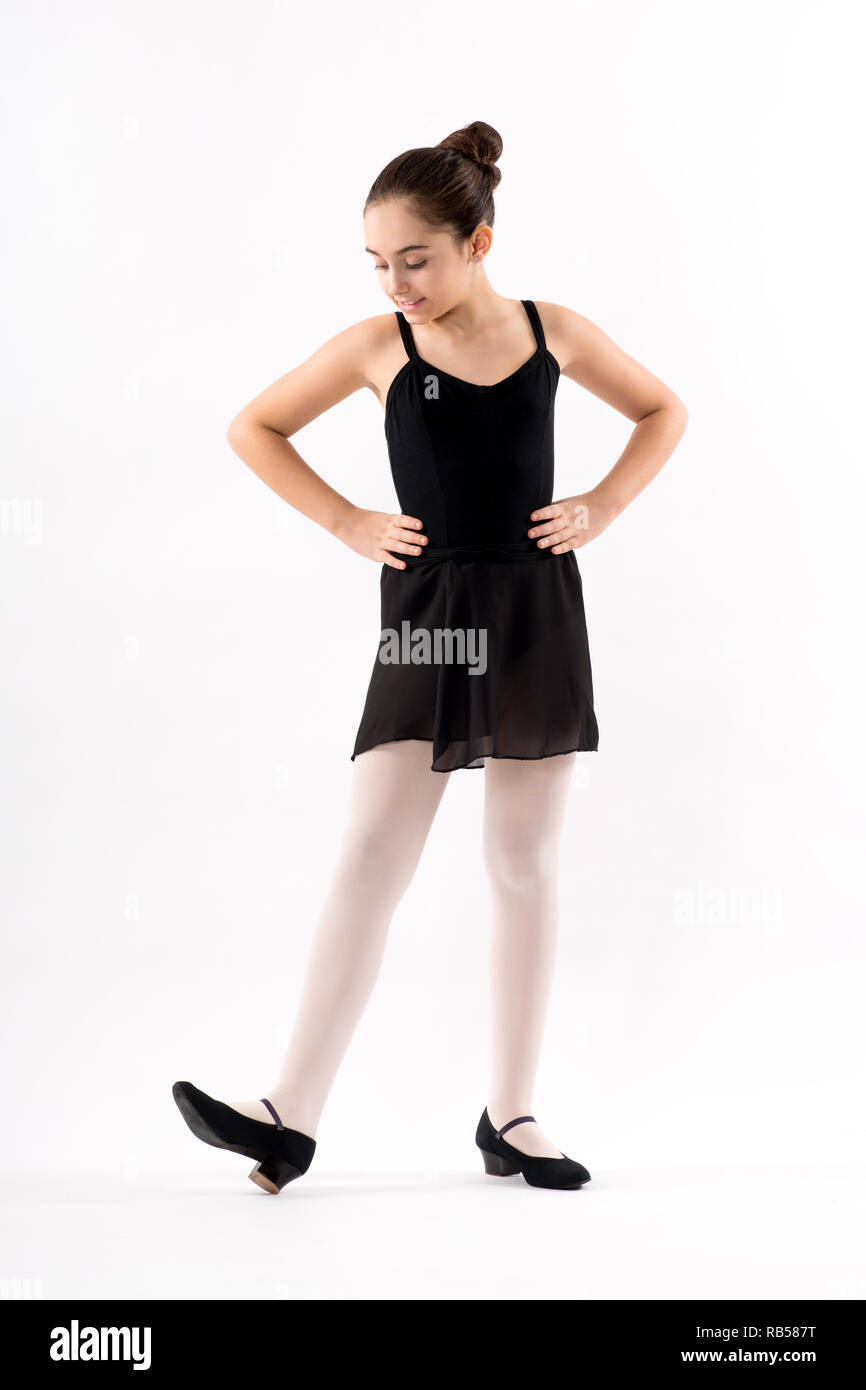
[[450, 184]]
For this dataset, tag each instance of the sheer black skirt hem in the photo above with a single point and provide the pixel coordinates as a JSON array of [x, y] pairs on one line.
[[481, 760]]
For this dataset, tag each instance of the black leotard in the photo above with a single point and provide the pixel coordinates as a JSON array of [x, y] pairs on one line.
[[472, 463]]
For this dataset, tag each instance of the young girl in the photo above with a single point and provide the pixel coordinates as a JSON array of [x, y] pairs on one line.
[[484, 659]]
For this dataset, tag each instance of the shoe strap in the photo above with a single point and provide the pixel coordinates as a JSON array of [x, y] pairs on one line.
[[266, 1102], [519, 1121]]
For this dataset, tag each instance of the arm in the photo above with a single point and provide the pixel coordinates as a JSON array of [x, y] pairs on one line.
[[588, 356], [259, 435]]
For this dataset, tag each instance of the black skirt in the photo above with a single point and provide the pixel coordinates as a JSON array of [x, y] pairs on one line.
[[484, 652]]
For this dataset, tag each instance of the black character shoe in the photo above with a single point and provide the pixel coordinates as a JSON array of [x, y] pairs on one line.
[[502, 1159], [282, 1154]]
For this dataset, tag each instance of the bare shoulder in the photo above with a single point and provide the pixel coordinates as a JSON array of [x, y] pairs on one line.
[[570, 335], [589, 356], [344, 363], [354, 350]]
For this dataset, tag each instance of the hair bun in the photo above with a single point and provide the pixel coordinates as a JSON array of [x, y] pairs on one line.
[[479, 143]]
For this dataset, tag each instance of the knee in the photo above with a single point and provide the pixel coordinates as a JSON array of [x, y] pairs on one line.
[[518, 863], [370, 865]]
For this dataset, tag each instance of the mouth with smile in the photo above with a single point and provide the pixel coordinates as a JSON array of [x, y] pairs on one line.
[[407, 305]]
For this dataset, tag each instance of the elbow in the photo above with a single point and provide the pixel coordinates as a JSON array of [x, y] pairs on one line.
[[672, 408], [680, 414], [243, 427], [237, 428]]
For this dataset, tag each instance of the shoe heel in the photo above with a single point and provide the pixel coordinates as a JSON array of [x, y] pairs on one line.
[[273, 1173], [499, 1167]]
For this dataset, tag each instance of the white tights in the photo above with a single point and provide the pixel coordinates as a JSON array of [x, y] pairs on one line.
[[393, 798]]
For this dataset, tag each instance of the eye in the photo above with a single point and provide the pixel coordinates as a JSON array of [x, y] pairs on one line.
[[416, 266]]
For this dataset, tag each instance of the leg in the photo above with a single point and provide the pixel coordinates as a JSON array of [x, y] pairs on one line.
[[394, 796], [524, 806]]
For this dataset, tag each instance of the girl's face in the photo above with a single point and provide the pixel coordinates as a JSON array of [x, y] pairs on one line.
[[422, 271]]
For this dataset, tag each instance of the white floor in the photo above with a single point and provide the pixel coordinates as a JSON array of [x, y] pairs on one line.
[[208, 1232]]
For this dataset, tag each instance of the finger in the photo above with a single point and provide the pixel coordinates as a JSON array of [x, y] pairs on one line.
[[410, 521], [402, 534], [403, 547], [565, 546], [386, 559], [563, 534], [547, 528], [544, 513]]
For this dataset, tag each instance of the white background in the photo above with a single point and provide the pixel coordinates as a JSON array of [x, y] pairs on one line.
[[186, 659]]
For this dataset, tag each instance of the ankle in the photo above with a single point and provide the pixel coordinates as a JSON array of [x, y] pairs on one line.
[[293, 1113], [499, 1114]]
